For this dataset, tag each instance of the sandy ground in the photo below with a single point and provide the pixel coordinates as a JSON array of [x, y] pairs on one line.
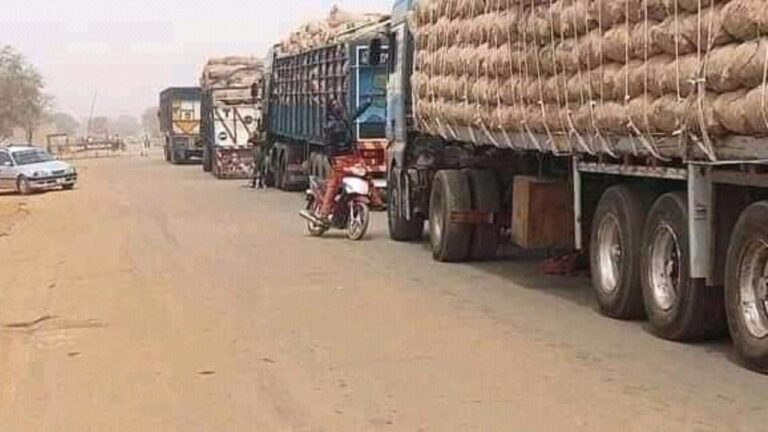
[[153, 298]]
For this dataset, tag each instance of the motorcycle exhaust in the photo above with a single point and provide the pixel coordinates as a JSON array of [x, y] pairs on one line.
[[308, 215]]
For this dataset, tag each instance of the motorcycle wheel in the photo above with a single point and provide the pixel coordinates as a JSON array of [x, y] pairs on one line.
[[359, 221]]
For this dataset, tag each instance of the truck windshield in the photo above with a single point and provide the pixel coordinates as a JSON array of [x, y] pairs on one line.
[[29, 157]]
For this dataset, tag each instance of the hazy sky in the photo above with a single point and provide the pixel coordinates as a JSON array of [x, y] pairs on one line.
[[129, 50]]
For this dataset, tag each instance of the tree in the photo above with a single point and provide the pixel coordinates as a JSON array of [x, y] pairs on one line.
[[150, 122], [65, 123], [21, 90]]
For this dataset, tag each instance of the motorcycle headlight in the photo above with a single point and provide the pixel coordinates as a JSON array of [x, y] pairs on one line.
[[358, 171]]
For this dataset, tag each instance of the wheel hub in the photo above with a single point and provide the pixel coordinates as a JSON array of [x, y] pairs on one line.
[[665, 267], [753, 288], [609, 255]]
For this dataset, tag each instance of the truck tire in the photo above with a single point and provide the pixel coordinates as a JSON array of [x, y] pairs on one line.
[[484, 190], [615, 249], [450, 193], [746, 286], [400, 228], [678, 307], [166, 154], [207, 159]]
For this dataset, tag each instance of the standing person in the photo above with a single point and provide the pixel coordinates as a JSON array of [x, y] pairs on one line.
[[343, 154], [146, 145]]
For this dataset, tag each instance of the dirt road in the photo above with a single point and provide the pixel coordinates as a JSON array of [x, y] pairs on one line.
[[154, 298]]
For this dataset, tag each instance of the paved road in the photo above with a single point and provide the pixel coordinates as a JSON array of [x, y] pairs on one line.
[[154, 298]]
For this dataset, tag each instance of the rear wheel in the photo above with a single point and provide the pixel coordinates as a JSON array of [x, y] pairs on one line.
[[450, 193], [68, 187], [615, 250], [746, 286], [400, 228], [484, 188], [677, 308]]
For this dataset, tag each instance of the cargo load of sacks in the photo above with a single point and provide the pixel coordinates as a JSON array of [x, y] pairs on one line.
[[644, 68], [232, 71], [328, 31]]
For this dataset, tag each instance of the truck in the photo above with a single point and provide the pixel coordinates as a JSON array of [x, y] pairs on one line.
[[503, 118], [231, 115], [179, 117], [298, 87]]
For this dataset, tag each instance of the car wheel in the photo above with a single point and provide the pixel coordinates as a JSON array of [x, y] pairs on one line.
[[23, 187]]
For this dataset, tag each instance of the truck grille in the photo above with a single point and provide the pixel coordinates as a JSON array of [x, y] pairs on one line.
[[58, 172]]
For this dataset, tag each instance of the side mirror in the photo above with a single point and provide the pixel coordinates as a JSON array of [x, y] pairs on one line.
[[374, 52], [7, 164]]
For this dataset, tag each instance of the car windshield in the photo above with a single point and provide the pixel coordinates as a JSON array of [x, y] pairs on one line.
[[29, 157]]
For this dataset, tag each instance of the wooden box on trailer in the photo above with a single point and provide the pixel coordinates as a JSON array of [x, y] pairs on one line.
[[542, 213]]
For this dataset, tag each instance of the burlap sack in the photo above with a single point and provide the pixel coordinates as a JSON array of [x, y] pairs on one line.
[[571, 18], [737, 65], [511, 91], [613, 12], [427, 11], [729, 111], [638, 111], [744, 112], [497, 63], [746, 19], [700, 114], [688, 32], [611, 117], [637, 78], [756, 109], [590, 49], [678, 77], [631, 41], [535, 26], [692, 5], [667, 114]]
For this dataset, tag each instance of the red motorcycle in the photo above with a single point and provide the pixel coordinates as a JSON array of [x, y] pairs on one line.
[[351, 208]]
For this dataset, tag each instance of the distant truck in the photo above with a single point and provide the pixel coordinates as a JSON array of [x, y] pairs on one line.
[[299, 87], [231, 115], [180, 124]]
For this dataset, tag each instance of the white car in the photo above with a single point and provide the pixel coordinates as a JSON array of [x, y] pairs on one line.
[[29, 169]]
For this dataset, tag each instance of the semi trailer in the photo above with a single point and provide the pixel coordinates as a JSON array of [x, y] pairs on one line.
[[634, 132], [299, 86], [231, 115], [180, 124]]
